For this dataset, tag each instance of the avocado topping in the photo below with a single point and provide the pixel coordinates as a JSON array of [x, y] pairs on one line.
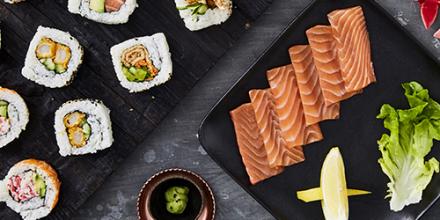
[[97, 5], [4, 109], [39, 185]]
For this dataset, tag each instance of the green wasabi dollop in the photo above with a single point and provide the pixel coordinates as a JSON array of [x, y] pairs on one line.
[[177, 199]]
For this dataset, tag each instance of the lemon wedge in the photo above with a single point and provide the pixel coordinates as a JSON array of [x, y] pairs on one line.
[[334, 188], [333, 192]]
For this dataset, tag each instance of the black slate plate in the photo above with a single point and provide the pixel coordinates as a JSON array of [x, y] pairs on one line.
[[133, 116], [397, 59]]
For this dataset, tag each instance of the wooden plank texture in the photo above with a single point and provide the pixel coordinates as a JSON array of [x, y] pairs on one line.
[[133, 116]]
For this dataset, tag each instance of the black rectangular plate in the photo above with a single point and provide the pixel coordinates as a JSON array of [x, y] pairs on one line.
[[397, 59]]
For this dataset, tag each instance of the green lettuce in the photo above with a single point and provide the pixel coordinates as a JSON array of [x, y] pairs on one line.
[[403, 150]]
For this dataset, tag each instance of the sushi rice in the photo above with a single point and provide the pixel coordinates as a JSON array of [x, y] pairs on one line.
[[212, 16], [158, 51], [34, 70], [17, 116], [13, 1], [118, 17], [28, 200], [98, 117]]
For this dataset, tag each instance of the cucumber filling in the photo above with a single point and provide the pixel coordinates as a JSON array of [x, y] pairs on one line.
[[5, 123], [137, 65]]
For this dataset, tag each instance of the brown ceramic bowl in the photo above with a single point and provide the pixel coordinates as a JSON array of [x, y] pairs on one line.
[[151, 200]]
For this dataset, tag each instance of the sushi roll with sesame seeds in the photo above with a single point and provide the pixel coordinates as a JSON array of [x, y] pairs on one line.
[[199, 14], [13, 1], [83, 126], [31, 188], [14, 116], [53, 58], [142, 63], [103, 11]]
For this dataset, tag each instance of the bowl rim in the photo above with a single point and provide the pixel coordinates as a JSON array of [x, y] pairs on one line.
[[203, 187]]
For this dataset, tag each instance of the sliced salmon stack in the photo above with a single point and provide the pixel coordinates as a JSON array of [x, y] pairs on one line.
[[315, 109], [289, 108], [278, 152], [325, 56], [251, 146], [353, 47]]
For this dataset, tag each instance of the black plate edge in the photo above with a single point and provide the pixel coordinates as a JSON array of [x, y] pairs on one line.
[[200, 133]]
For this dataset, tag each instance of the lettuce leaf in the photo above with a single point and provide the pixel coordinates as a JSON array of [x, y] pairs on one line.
[[403, 150]]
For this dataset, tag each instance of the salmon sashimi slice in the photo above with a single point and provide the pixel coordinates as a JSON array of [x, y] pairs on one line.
[[353, 47], [113, 5], [325, 56], [289, 109], [278, 153], [315, 109], [251, 146]]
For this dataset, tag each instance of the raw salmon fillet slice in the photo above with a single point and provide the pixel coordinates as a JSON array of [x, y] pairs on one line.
[[113, 5], [289, 108], [251, 146], [325, 56], [315, 109], [353, 47], [276, 147]]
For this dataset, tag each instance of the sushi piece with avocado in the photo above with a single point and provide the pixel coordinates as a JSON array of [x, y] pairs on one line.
[[103, 11], [53, 58], [14, 116], [200, 14], [31, 188], [82, 127], [142, 63]]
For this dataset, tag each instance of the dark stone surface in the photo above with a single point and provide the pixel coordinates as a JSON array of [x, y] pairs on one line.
[[174, 143]]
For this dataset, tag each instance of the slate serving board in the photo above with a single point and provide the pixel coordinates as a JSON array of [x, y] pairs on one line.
[[397, 58], [133, 115]]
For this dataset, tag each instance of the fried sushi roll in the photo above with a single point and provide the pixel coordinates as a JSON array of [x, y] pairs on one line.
[[31, 188], [53, 58], [14, 116], [83, 127], [199, 14], [103, 11], [142, 63]]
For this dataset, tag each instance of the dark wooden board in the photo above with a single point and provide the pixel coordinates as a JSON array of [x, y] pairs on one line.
[[133, 115], [397, 58]]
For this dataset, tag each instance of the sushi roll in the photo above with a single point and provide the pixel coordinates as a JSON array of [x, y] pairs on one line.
[[103, 11], [142, 63], [53, 58], [14, 116], [31, 188], [83, 127], [13, 1], [199, 14]]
